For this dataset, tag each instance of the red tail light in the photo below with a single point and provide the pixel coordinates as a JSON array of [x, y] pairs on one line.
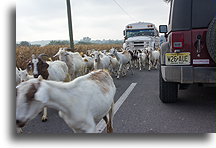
[[177, 39]]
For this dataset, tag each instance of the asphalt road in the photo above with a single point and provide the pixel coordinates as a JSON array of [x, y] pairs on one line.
[[143, 112]]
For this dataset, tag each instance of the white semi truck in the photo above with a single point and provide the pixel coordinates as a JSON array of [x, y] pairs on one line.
[[141, 35]]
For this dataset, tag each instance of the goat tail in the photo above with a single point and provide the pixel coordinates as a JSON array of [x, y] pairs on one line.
[[110, 122]]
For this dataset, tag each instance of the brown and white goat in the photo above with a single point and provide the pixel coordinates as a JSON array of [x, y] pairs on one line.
[[82, 102]]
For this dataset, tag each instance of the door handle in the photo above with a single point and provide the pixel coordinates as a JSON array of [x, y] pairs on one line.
[[198, 44]]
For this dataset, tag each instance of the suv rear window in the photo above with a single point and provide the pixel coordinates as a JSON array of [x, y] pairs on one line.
[[180, 15], [203, 13], [187, 14]]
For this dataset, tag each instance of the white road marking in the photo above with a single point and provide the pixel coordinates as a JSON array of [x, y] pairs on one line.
[[102, 125]]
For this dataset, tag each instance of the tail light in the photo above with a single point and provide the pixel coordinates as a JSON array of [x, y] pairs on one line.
[[177, 40]]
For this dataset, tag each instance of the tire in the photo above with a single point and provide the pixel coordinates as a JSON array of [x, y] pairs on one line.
[[168, 90], [211, 39]]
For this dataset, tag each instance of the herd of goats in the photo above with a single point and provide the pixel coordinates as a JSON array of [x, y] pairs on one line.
[[79, 86]]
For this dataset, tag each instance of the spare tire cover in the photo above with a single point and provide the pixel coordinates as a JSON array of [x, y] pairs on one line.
[[211, 39]]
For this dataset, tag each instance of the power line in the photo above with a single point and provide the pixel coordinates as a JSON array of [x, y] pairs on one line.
[[124, 10]]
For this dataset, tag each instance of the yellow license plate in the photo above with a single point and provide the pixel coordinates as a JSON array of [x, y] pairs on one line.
[[178, 58]]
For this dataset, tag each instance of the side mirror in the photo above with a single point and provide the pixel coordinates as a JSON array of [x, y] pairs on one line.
[[163, 28], [124, 33]]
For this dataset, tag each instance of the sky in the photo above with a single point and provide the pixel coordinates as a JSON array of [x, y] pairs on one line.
[[98, 19]]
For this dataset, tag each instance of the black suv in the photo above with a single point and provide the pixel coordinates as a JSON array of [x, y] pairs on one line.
[[189, 55]]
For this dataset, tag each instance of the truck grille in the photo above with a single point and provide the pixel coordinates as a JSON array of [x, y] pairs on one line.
[[140, 44]]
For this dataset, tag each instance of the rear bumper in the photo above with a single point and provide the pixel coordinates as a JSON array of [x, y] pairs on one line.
[[189, 74]]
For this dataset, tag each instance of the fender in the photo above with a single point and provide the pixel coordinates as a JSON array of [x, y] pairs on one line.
[[165, 47]]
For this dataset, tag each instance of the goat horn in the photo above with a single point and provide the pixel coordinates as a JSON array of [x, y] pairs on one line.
[[67, 48], [40, 55]]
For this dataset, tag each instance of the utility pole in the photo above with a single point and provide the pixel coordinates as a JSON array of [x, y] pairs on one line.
[[70, 24]]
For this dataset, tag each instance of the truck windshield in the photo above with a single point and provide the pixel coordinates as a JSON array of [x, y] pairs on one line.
[[143, 32]]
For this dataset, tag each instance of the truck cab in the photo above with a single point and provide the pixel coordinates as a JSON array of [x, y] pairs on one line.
[[141, 35], [189, 54]]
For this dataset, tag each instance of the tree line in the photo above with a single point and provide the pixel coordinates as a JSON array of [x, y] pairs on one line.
[[85, 40]]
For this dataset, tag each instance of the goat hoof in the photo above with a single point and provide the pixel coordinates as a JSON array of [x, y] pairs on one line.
[[44, 119], [19, 131], [110, 131]]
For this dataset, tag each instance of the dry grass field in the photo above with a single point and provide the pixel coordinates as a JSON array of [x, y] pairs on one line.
[[24, 53]]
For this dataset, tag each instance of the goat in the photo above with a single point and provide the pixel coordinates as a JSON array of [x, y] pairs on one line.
[[18, 79], [124, 58], [153, 57], [101, 61], [74, 61], [114, 65], [89, 61], [56, 70], [142, 58], [124, 46], [80, 108], [134, 57], [24, 76]]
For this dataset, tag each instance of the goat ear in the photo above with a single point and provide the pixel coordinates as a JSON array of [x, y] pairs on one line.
[[31, 92], [57, 54], [42, 95]]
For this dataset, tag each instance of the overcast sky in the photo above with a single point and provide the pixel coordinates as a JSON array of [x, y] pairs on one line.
[[97, 19]]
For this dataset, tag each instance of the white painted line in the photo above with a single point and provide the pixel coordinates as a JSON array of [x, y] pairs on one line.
[[102, 125]]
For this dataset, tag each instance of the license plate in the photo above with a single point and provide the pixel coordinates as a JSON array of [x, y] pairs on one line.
[[178, 58]]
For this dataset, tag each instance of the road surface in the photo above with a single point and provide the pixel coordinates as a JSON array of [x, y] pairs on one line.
[[141, 111]]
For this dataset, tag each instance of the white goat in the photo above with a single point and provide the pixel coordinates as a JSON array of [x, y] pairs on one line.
[[80, 108], [18, 79], [124, 58], [156, 58], [89, 61], [24, 76], [153, 57], [101, 61], [114, 65], [74, 61], [142, 57]]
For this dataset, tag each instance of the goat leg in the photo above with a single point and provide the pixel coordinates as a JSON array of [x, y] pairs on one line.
[[44, 117]]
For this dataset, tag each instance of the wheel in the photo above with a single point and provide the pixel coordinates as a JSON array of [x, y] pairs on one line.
[[211, 39], [168, 90]]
